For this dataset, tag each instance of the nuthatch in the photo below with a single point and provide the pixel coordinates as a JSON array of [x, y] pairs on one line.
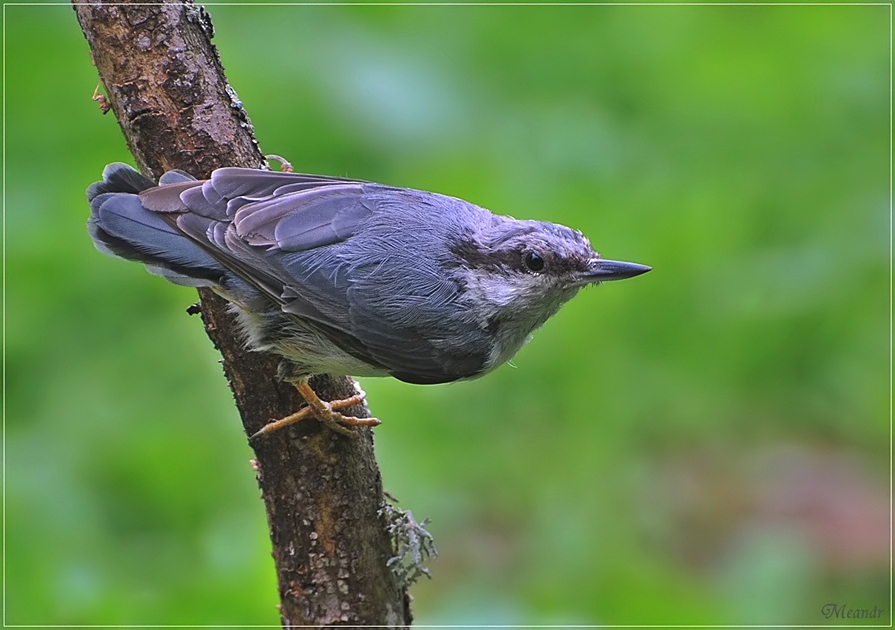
[[342, 276]]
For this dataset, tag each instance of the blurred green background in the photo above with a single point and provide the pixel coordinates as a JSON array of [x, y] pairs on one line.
[[705, 444]]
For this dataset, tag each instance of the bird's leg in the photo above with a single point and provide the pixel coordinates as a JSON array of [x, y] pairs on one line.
[[325, 412]]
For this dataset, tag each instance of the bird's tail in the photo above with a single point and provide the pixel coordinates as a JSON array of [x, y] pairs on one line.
[[122, 227]]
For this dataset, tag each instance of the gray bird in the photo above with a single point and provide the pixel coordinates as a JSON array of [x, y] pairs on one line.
[[342, 276]]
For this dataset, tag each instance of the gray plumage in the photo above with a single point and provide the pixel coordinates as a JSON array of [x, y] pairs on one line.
[[349, 277]]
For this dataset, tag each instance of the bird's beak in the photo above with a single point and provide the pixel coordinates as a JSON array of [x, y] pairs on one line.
[[600, 270]]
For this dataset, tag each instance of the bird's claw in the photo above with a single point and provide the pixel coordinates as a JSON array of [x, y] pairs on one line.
[[325, 412], [285, 165]]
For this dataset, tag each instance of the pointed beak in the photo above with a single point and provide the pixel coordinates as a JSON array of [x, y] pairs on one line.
[[601, 270]]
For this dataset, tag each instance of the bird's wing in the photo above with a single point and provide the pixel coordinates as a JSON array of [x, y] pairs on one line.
[[248, 219], [386, 293], [298, 239]]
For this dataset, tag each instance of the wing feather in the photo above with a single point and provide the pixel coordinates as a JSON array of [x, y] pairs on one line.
[[325, 251]]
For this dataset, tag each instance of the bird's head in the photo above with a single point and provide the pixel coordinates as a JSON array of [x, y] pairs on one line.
[[519, 273]]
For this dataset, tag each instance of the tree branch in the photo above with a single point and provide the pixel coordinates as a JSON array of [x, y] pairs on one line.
[[322, 491]]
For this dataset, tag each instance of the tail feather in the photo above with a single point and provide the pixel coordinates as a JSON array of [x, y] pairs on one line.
[[121, 226], [119, 178]]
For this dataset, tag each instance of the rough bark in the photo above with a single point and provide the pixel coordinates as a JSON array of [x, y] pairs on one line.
[[323, 492]]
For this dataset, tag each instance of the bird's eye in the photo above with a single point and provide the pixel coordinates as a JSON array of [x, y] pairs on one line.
[[534, 261]]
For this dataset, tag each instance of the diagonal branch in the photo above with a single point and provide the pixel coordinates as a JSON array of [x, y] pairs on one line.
[[322, 491]]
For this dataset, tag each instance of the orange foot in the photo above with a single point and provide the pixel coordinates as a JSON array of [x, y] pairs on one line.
[[325, 412]]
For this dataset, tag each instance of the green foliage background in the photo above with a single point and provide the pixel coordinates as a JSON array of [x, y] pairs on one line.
[[705, 444]]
